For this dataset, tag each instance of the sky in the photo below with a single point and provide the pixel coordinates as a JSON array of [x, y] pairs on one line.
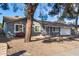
[[20, 12], [10, 12]]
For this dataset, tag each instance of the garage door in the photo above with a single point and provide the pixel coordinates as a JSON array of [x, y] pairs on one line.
[[65, 31]]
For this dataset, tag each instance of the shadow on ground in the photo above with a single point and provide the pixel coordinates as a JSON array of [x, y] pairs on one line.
[[50, 40], [37, 39], [18, 53]]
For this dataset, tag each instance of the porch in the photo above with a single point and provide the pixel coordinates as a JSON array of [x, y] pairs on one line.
[[56, 31]]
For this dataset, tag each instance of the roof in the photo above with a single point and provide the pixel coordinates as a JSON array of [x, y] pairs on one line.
[[49, 23], [54, 23], [11, 18]]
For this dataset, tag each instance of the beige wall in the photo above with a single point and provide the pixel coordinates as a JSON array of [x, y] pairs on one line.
[[36, 24], [33, 28]]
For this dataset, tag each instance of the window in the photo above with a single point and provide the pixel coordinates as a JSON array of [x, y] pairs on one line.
[[37, 28], [18, 28], [55, 29]]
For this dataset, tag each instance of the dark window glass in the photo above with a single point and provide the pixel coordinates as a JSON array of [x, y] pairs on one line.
[[19, 28]]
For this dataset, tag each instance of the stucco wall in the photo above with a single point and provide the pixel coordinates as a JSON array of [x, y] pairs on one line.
[[65, 31], [33, 28], [10, 26]]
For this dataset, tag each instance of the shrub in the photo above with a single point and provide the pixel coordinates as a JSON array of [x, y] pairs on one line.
[[20, 34], [2, 33]]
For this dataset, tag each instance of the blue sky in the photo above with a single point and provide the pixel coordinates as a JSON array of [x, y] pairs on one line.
[[10, 12], [20, 12]]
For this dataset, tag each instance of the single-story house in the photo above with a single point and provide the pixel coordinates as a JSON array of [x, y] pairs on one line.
[[16, 24]]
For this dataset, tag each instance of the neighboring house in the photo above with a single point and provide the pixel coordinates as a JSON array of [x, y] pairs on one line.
[[16, 24]]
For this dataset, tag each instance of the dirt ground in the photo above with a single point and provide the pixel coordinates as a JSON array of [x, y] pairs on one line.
[[40, 47]]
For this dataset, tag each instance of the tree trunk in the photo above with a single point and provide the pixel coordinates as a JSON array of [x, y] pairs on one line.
[[31, 9], [28, 29]]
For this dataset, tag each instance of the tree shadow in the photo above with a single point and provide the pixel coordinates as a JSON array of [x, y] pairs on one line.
[[18, 53], [51, 39], [37, 39], [18, 38]]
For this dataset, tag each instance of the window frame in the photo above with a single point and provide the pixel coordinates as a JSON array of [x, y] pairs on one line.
[[38, 29], [55, 29], [15, 28]]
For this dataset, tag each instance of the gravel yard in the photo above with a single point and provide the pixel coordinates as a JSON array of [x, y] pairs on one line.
[[40, 48]]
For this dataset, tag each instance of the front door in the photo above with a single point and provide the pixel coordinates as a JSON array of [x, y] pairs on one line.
[[56, 31]]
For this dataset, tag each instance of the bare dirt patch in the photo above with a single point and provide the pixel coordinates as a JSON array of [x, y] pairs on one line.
[[39, 48]]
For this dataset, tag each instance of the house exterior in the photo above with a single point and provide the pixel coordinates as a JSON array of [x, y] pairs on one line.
[[16, 24]]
